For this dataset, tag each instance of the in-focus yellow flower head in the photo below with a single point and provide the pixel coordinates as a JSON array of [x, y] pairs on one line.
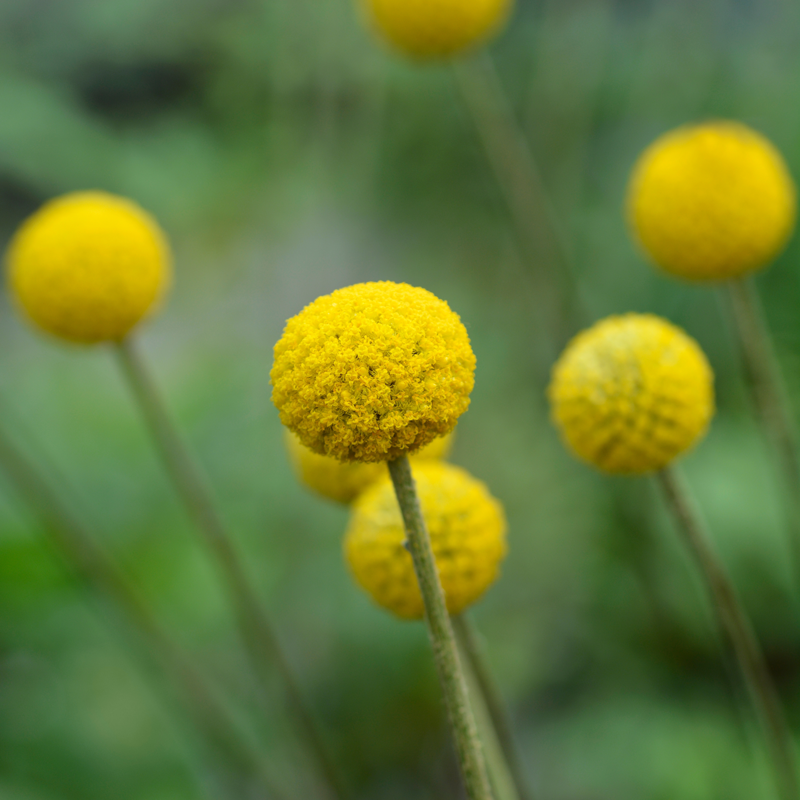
[[468, 535], [631, 393], [437, 28], [88, 266], [372, 372], [712, 202], [343, 481]]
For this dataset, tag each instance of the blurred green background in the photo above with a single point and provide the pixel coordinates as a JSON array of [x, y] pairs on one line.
[[287, 153]]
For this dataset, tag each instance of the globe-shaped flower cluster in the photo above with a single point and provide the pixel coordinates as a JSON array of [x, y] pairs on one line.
[[711, 202], [631, 394], [372, 372], [88, 266], [468, 535]]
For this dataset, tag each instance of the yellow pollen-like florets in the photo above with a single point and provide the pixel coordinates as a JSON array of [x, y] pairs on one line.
[[712, 201], [631, 393], [343, 481], [88, 266], [437, 28], [468, 535], [372, 372]]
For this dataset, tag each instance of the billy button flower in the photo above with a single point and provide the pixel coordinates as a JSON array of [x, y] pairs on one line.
[[715, 202], [630, 395], [88, 266], [343, 481], [370, 373], [711, 202], [437, 28], [468, 534]]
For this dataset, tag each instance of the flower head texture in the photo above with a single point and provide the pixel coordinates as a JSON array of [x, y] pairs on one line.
[[372, 372], [468, 535], [88, 266], [426, 29], [343, 481], [631, 393], [711, 202]]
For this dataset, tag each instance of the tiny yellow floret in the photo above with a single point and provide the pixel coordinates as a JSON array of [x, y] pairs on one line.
[[467, 527], [88, 266], [372, 372], [343, 481], [632, 393], [711, 202], [428, 29]]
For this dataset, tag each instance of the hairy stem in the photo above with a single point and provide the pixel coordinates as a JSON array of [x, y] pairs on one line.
[[256, 630], [445, 652], [735, 624]]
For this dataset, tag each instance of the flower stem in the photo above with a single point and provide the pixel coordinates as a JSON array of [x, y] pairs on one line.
[[445, 652], [256, 631], [467, 639], [734, 622], [92, 564], [532, 212], [769, 397]]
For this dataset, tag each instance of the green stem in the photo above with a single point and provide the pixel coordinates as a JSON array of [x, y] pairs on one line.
[[445, 652], [467, 639], [532, 211], [770, 398], [255, 628], [97, 568], [734, 622]]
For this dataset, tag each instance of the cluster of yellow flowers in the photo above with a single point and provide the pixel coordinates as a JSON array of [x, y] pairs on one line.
[[707, 202], [361, 377], [379, 370]]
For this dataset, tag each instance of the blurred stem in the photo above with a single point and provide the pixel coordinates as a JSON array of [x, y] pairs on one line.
[[255, 628], [532, 211], [734, 622], [467, 638], [97, 568], [769, 396], [445, 652]]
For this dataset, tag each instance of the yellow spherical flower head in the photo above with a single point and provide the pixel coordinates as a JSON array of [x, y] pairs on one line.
[[372, 372], [712, 202], [343, 481], [631, 393], [468, 535], [437, 28], [88, 266]]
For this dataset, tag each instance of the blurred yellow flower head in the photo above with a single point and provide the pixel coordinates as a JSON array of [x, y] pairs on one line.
[[88, 266], [468, 535], [372, 372], [631, 393], [711, 202], [343, 481], [437, 28]]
